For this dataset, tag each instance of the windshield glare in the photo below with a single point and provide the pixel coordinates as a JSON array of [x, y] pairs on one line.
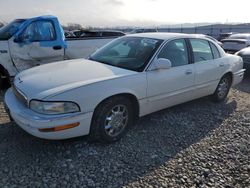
[[6, 32], [132, 53]]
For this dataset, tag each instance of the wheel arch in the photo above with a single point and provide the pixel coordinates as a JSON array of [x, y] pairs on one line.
[[229, 73], [130, 96]]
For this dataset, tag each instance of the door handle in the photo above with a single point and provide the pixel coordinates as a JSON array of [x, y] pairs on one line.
[[57, 47], [188, 72]]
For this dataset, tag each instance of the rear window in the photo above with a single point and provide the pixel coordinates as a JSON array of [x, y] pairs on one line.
[[7, 31], [201, 50], [215, 51]]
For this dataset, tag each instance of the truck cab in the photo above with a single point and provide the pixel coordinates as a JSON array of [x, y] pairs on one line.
[[25, 43]]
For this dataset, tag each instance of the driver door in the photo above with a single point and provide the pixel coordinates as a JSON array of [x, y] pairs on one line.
[[36, 46]]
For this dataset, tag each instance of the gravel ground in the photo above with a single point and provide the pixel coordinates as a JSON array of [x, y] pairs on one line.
[[196, 144]]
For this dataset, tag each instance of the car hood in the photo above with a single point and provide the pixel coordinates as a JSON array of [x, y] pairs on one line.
[[54, 78]]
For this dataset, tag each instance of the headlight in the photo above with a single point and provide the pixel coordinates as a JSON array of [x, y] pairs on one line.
[[52, 108]]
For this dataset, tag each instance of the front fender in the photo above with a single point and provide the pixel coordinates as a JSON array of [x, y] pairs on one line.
[[89, 96]]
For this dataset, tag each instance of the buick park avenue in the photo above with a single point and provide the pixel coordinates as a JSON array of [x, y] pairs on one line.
[[128, 78]]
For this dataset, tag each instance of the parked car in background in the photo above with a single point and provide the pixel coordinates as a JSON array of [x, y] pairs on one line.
[[25, 43], [148, 30], [69, 34], [225, 35], [77, 32], [215, 40], [245, 54], [97, 33], [101, 33], [130, 77], [236, 42]]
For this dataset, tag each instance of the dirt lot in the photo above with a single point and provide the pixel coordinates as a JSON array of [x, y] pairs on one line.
[[196, 144]]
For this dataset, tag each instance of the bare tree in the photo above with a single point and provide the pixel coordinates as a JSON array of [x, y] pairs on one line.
[[73, 26]]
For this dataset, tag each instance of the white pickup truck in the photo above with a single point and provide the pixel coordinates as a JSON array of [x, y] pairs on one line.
[[25, 43]]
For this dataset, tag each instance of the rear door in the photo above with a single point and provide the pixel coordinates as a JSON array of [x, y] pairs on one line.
[[209, 65], [36, 45]]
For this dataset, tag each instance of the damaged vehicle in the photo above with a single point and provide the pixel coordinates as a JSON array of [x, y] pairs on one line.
[[130, 77], [25, 43]]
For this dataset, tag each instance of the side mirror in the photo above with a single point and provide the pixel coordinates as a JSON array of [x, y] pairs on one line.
[[161, 63]]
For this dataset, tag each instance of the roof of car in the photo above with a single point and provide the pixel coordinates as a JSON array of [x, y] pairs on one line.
[[161, 36]]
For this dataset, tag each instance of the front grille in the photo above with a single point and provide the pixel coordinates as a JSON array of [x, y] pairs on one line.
[[20, 96]]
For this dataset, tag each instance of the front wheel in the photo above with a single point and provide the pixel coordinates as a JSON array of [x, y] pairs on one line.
[[4, 81], [111, 119], [222, 89], [1, 81]]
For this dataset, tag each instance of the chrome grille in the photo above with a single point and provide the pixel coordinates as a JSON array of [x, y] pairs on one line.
[[20, 96]]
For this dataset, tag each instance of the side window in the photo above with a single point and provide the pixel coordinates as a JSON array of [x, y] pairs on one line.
[[201, 50], [176, 52], [215, 50], [39, 31]]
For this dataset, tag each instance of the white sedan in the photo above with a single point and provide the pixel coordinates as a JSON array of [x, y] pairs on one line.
[[130, 77]]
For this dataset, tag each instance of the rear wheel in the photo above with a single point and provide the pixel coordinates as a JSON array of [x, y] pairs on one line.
[[111, 119], [222, 89]]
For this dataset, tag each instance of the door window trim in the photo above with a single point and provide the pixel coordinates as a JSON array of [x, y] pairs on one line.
[[192, 52]]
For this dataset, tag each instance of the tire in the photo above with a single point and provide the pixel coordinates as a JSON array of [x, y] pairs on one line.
[[4, 81], [222, 89], [1, 81], [111, 120]]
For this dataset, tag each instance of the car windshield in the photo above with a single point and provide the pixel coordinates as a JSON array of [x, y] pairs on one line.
[[9, 30], [132, 53]]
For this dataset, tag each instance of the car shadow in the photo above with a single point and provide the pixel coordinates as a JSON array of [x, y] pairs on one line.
[[244, 86], [152, 142]]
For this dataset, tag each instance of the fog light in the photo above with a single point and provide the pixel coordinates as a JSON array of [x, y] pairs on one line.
[[60, 128]]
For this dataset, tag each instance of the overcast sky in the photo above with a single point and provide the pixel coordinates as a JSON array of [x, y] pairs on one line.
[[129, 12]]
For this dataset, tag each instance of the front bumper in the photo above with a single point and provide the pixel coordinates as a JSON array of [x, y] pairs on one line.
[[31, 121]]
